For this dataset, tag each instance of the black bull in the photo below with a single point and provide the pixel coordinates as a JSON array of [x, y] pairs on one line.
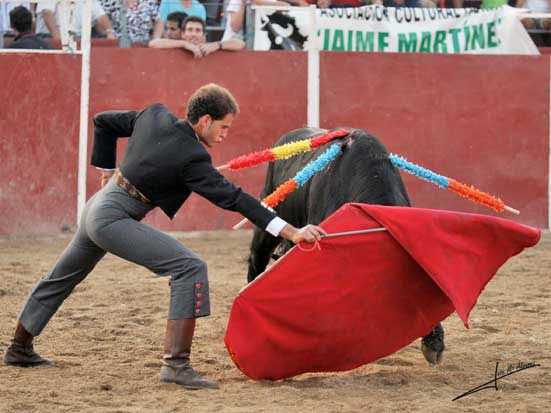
[[362, 173]]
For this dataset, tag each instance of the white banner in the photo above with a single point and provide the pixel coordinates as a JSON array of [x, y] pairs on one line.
[[388, 29]]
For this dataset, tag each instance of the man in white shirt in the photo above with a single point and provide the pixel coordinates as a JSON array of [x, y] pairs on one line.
[[49, 17]]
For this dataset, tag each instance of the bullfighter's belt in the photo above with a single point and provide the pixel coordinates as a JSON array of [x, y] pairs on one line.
[[130, 189]]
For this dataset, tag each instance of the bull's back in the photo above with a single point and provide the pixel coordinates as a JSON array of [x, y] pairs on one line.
[[362, 173]]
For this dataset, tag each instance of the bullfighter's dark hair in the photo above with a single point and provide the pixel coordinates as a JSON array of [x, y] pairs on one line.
[[21, 19], [213, 100]]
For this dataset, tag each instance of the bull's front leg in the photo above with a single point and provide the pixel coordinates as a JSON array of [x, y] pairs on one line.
[[262, 246]]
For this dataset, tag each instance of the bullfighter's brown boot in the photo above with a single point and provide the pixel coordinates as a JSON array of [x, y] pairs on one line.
[[176, 365], [21, 352]]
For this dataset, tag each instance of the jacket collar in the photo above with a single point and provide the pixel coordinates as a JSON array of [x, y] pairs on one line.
[[187, 127]]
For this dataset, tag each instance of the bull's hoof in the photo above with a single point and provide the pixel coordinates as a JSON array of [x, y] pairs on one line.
[[433, 357], [432, 346]]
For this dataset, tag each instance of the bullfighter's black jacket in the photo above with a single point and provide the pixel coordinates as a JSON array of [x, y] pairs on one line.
[[165, 161]]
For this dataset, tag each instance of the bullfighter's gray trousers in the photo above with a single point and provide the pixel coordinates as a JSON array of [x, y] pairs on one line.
[[111, 223]]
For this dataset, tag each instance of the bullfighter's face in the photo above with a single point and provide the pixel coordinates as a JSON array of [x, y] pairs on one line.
[[212, 131]]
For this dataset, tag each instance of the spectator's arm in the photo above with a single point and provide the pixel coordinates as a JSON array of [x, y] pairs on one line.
[[158, 29], [231, 45], [103, 26], [168, 44], [49, 20], [237, 19], [176, 44]]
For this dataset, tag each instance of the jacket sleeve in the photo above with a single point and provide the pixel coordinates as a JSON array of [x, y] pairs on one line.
[[202, 178], [108, 127]]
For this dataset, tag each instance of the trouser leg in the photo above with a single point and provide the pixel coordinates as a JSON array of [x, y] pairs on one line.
[[163, 255], [79, 258], [75, 263], [110, 222]]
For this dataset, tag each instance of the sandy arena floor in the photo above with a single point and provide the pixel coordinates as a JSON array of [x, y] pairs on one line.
[[107, 338]]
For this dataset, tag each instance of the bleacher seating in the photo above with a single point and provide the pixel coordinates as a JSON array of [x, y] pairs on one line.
[[215, 19]]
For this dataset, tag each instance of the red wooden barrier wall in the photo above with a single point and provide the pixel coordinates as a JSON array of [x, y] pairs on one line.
[[483, 120], [39, 121]]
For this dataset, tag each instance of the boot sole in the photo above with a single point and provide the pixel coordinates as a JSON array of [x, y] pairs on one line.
[[189, 387], [25, 364]]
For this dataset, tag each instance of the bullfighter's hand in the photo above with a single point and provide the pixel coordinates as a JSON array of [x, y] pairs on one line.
[[106, 176], [308, 233]]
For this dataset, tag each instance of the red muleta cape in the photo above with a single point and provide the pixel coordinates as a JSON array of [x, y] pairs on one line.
[[363, 297]]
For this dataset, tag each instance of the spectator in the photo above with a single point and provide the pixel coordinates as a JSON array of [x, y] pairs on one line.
[[536, 6], [5, 8], [142, 19], [193, 40], [189, 7], [21, 21], [48, 17], [173, 25]]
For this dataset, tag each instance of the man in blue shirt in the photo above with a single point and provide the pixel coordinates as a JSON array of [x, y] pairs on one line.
[[189, 7]]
